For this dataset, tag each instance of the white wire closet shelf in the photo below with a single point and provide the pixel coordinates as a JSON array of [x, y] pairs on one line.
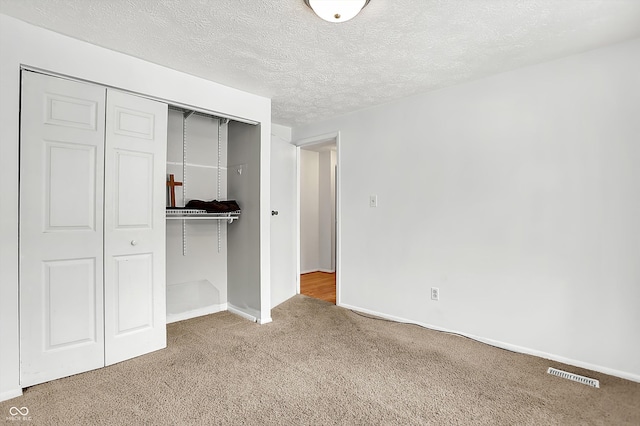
[[196, 214]]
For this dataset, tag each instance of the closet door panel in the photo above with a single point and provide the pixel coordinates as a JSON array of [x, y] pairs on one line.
[[61, 233], [135, 187], [78, 324], [134, 293], [134, 197], [70, 192], [64, 111]]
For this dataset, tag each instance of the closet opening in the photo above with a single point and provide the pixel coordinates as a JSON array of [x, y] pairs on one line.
[[211, 161]]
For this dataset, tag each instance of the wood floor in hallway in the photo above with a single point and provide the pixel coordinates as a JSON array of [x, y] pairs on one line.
[[320, 285]]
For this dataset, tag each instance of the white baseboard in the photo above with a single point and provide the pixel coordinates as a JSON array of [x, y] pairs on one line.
[[7, 395], [328, 271], [503, 345], [212, 309], [246, 313]]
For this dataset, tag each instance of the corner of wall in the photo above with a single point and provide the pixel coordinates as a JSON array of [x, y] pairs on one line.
[[281, 131]]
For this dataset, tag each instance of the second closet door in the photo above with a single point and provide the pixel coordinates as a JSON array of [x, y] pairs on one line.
[[134, 226]]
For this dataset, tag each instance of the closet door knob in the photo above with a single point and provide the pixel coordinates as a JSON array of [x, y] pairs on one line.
[[134, 242], [274, 212]]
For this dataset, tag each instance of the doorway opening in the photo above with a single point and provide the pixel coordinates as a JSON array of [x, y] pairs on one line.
[[319, 285], [318, 224]]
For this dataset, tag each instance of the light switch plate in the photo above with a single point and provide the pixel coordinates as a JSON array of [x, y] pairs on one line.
[[373, 201]]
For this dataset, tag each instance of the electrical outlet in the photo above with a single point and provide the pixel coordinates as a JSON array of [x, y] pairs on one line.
[[435, 293]]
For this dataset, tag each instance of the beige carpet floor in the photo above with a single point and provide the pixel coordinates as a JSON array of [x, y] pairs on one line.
[[320, 364]]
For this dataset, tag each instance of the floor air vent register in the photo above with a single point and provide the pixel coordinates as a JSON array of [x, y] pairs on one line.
[[576, 378]]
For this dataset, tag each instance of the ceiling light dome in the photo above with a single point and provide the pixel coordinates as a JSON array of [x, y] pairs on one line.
[[336, 10]]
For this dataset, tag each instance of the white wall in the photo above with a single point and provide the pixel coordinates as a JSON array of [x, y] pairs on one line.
[[309, 211], [326, 211], [202, 260], [243, 242], [283, 226], [517, 195], [317, 210], [21, 43]]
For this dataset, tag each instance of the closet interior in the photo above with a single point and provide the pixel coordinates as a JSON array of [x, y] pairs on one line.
[[197, 250]]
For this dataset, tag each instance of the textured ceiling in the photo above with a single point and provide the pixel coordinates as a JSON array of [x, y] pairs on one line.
[[312, 69]]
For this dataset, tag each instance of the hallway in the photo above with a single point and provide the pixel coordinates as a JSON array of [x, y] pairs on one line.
[[319, 285]]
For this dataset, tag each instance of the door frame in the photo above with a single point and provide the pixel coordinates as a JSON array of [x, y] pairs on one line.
[[305, 143]]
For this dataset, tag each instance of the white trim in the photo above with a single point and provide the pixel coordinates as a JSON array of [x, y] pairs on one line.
[[503, 345], [310, 271], [297, 230], [7, 395], [207, 310], [338, 183], [242, 313], [314, 140]]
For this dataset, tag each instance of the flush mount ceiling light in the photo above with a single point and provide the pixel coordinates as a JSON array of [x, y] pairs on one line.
[[336, 10]]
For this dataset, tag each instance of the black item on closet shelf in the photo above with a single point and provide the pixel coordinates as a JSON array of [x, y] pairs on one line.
[[214, 206]]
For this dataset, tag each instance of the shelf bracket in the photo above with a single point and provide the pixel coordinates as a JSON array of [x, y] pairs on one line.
[[184, 237]]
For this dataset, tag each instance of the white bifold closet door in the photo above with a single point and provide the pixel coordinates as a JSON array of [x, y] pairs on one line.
[[61, 228], [134, 226], [92, 285]]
